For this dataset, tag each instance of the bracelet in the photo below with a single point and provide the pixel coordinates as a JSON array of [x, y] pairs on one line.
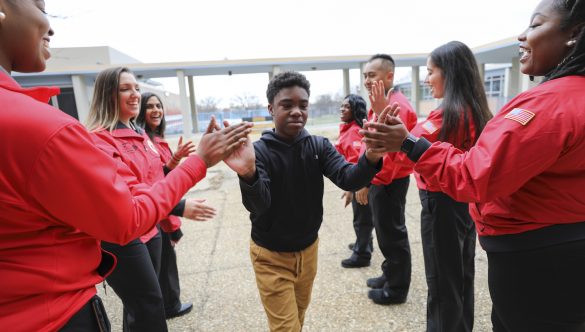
[[175, 159]]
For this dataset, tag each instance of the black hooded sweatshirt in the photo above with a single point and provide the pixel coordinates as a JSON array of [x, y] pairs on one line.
[[286, 199]]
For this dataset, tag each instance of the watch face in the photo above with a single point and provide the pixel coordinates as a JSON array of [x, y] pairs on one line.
[[408, 144]]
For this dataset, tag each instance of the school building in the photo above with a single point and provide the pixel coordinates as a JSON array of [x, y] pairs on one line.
[[74, 70]]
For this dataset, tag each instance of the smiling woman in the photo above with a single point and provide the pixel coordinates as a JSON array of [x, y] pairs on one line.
[[60, 195], [26, 36], [524, 178]]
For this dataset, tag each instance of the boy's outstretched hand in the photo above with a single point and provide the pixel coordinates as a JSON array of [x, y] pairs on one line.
[[216, 144], [243, 160]]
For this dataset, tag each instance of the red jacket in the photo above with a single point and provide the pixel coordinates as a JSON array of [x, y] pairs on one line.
[[392, 170], [59, 195], [349, 143], [527, 170], [139, 153], [172, 223], [430, 129]]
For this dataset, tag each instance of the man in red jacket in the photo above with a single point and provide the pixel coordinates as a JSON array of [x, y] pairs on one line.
[[387, 194]]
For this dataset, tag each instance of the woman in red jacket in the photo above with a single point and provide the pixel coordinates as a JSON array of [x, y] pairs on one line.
[[115, 105], [353, 112], [152, 119], [60, 195], [524, 179], [447, 230]]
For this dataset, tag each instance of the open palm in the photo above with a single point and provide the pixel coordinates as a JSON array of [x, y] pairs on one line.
[[243, 159]]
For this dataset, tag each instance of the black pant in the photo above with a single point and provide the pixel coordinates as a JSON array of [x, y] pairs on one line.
[[363, 226], [135, 281], [538, 290], [91, 317], [387, 204], [169, 276], [448, 241]]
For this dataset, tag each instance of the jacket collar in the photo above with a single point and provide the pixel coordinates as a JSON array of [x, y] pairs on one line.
[[343, 127], [122, 131], [41, 93]]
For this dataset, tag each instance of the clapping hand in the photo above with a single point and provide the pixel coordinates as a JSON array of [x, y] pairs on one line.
[[217, 144], [183, 150], [243, 160], [386, 134], [378, 97]]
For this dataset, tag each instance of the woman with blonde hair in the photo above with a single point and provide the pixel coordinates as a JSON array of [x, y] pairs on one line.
[[115, 105]]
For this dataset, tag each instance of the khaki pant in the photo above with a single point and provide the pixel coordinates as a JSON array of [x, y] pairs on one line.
[[285, 281]]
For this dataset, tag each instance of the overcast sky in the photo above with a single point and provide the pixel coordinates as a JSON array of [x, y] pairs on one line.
[[186, 30]]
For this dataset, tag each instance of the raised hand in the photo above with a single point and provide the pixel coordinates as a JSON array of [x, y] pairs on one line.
[[378, 98], [389, 112], [217, 144], [196, 209], [243, 160], [183, 150]]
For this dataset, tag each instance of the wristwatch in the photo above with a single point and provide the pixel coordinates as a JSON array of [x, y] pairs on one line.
[[408, 143]]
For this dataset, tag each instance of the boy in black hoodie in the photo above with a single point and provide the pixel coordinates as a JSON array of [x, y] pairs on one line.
[[281, 179]]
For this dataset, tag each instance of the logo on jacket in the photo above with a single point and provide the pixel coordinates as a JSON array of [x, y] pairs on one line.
[[519, 115], [429, 127], [129, 147]]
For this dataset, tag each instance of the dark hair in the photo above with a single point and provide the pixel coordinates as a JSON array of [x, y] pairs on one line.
[[464, 93], [358, 107], [573, 14], [141, 118], [386, 60], [284, 80]]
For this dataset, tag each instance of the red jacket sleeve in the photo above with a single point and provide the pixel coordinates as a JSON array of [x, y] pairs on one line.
[[110, 204], [506, 156]]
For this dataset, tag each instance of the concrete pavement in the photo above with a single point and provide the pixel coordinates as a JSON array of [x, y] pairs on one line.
[[217, 276]]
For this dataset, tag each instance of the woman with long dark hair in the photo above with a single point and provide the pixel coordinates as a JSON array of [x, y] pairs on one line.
[[524, 178], [447, 230], [353, 112]]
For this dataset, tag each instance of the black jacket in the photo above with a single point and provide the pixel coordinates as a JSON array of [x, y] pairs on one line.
[[286, 200]]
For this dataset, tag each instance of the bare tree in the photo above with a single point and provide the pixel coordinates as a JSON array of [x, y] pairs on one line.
[[246, 101], [208, 104], [326, 104]]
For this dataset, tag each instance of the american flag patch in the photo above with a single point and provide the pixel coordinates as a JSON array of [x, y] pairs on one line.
[[519, 115], [429, 127], [357, 144]]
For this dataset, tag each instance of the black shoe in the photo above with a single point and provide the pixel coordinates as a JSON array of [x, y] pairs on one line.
[[355, 261], [382, 296], [377, 282], [185, 309], [352, 245]]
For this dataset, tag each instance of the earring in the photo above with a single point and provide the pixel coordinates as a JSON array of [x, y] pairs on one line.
[[2, 16], [571, 43]]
